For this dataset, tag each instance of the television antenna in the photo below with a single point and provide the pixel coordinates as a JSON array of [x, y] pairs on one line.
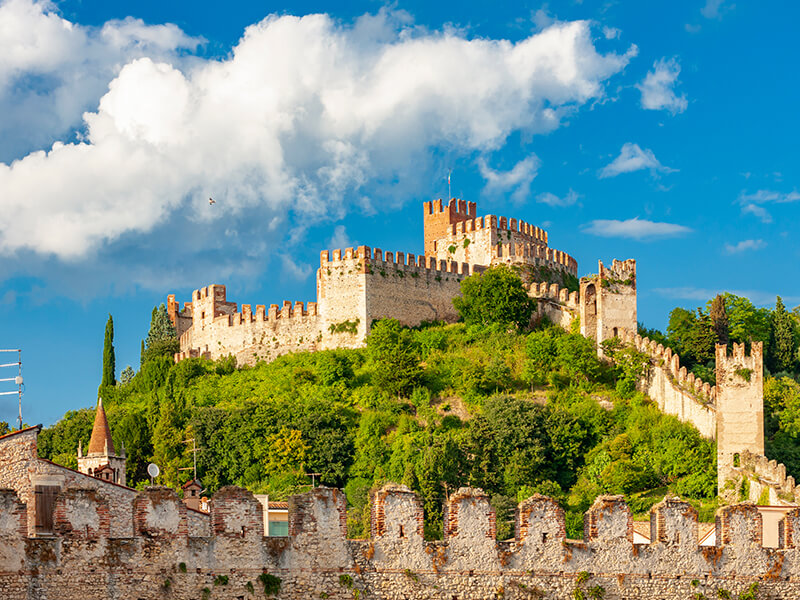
[[18, 381], [195, 450]]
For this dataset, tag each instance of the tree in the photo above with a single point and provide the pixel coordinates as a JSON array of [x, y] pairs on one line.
[[394, 357], [495, 296], [719, 319], [162, 340], [679, 330], [127, 375], [109, 362], [782, 346], [703, 338]]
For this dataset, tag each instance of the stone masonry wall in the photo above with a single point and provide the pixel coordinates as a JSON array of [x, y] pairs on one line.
[[454, 233], [740, 405], [22, 470], [163, 560], [676, 391]]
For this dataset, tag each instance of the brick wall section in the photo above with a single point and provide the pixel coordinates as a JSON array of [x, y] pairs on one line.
[[608, 519], [318, 562], [159, 512], [673, 522], [539, 521], [81, 513], [235, 512], [403, 517], [21, 469], [13, 515]]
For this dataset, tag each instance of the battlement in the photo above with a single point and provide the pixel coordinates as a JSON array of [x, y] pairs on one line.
[[620, 270], [454, 208], [366, 258], [317, 559], [554, 292], [703, 392]]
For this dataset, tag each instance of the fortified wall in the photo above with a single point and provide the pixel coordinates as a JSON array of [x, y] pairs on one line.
[[356, 287], [233, 560]]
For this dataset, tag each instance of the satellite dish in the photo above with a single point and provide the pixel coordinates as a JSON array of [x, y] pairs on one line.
[[153, 470]]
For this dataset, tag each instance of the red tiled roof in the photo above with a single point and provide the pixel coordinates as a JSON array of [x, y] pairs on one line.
[[2, 437], [101, 433], [279, 505]]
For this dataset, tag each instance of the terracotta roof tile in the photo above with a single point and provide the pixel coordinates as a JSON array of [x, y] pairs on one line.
[[101, 433]]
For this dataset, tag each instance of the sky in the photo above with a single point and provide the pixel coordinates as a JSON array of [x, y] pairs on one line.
[[661, 131]]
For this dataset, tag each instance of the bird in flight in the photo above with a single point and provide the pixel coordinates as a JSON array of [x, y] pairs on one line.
[[212, 201]]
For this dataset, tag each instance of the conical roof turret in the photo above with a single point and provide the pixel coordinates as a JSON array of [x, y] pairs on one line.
[[101, 442]]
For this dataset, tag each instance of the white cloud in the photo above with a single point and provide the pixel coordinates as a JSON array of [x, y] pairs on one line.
[[765, 196], [633, 158], [752, 203], [294, 269], [339, 239], [714, 9], [636, 228], [745, 245], [552, 200], [53, 70], [611, 33], [758, 211], [302, 116], [657, 92], [517, 180]]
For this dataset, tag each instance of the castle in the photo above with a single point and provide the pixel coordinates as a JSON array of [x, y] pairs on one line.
[[82, 534], [357, 286]]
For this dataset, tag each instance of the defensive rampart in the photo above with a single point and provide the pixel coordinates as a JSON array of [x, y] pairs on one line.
[[558, 304], [354, 288], [676, 391], [164, 559], [454, 232]]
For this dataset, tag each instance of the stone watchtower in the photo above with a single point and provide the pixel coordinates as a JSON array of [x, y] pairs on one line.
[[102, 460], [438, 220], [740, 407], [608, 301]]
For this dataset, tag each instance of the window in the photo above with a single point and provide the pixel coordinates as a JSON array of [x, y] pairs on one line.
[[279, 528], [402, 533], [45, 497]]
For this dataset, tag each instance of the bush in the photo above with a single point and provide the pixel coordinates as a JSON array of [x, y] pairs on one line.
[[495, 296]]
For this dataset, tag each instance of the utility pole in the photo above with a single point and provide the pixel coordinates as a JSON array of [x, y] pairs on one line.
[[17, 380]]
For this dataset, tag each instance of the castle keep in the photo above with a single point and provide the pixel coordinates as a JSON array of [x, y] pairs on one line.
[[357, 286]]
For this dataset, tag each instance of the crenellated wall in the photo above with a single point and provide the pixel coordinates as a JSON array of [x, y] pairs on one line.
[[453, 232], [556, 303], [676, 391], [164, 559], [357, 286]]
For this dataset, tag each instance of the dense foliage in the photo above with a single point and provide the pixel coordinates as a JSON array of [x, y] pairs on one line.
[[495, 296], [435, 408]]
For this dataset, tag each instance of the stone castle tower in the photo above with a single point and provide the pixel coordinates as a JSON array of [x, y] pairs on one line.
[[101, 460], [740, 407], [608, 301]]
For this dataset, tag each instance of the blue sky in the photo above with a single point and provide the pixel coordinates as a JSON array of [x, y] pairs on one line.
[[661, 131]]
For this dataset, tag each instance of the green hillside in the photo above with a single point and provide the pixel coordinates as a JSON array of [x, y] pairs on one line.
[[478, 403]]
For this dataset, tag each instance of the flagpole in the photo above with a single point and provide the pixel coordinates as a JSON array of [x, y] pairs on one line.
[[449, 193]]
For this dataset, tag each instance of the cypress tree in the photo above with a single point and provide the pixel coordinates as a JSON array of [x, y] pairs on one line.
[[141, 355], [719, 319], [782, 345], [109, 361]]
